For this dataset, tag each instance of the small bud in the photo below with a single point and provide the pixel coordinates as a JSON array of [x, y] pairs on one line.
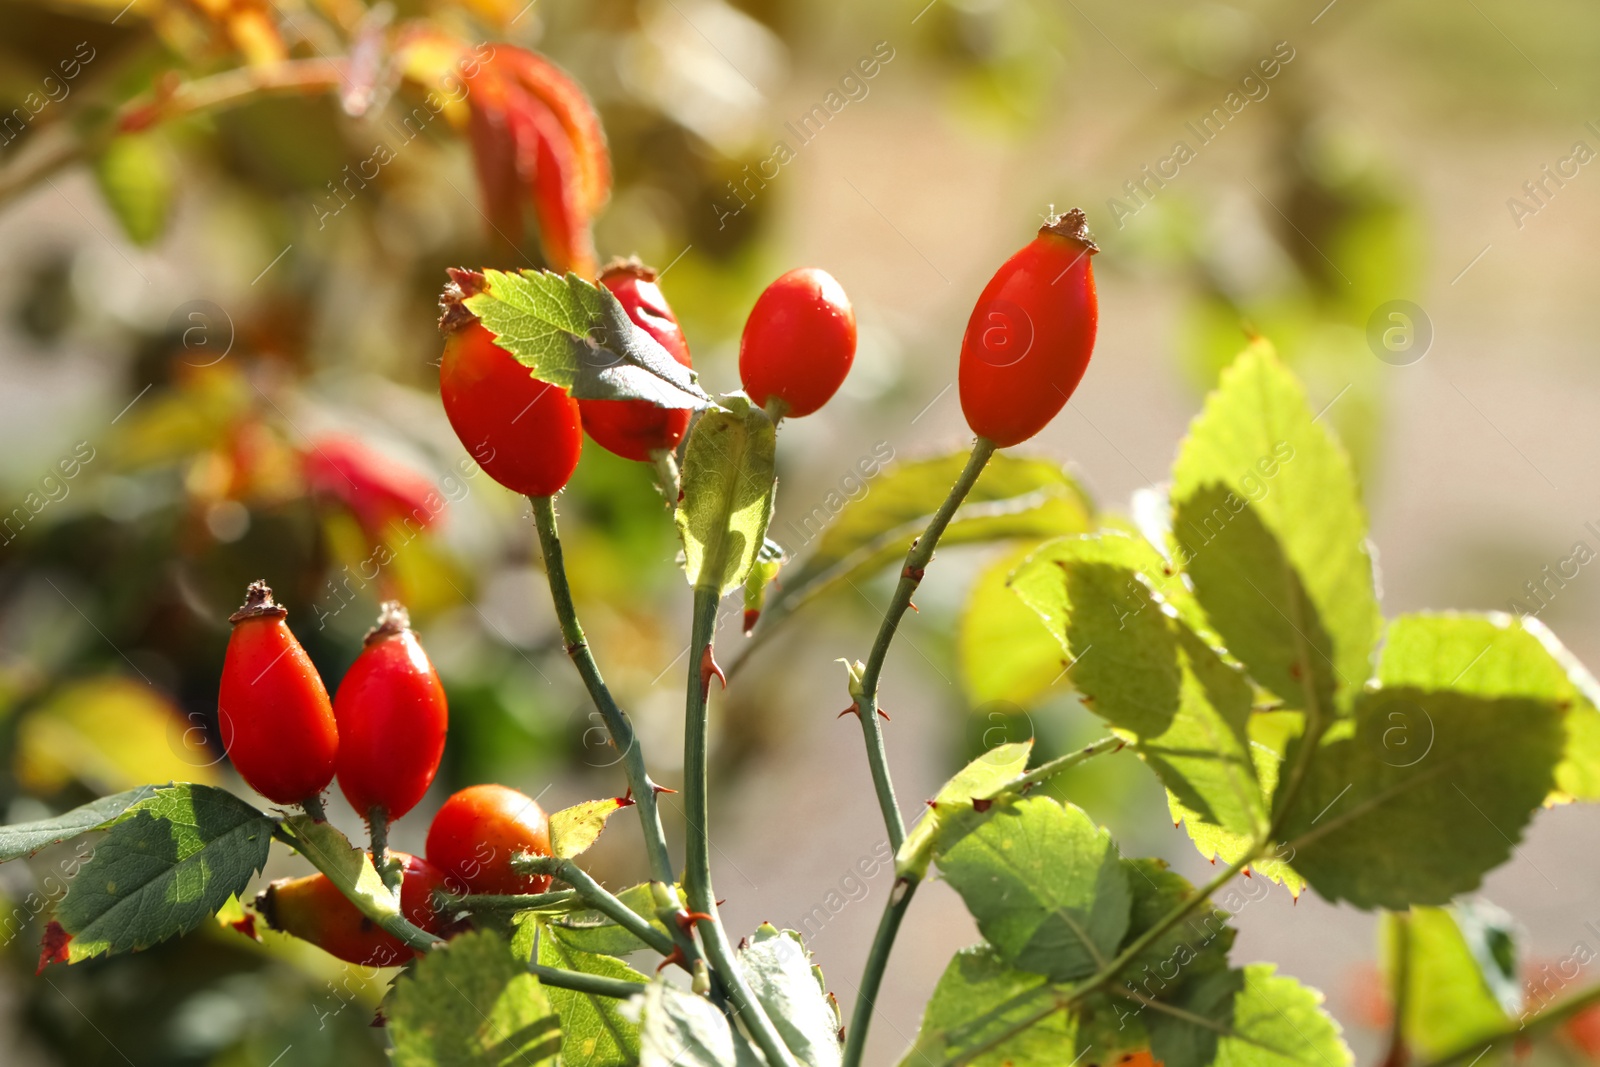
[[701, 984]]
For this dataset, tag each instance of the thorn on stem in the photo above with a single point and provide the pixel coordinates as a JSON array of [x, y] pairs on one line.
[[675, 957], [982, 804], [914, 573], [913, 607], [708, 668], [660, 789], [687, 919], [626, 800], [852, 709]]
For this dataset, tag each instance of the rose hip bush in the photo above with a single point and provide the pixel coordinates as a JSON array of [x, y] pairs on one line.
[[1231, 641]]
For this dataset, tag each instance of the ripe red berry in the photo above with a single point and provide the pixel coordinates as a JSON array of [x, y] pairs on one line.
[[376, 489], [392, 717], [633, 429], [277, 724], [524, 432], [798, 342], [478, 831], [1030, 335], [313, 909]]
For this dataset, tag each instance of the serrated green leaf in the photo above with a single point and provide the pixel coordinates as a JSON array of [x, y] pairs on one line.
[[977, 779], [977, 1001], [24, 839], [574, 829], [678, 1029], [779, 971], [1041, 580], [1013, 497], [135, 175], [1385, 824], [575, 335], [1007, 655], [346, 866], [1245, 1018], [594, 1032], [728, 469], [469, 1003], [1496, 655], [1138, 665], [1043, 882], [594, 932], [1457, 973], [166, 865], [1268, 523]]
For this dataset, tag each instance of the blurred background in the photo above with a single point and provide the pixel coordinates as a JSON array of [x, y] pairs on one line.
[[194, 317]]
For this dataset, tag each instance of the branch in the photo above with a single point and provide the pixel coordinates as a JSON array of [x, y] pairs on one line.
[[917, 560], [598, 897], [697, 863], [593, 984], [232, 87]]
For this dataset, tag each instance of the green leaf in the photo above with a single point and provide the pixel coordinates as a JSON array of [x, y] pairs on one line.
[[1245, 1018], [678, 1029], [1043, 882], [136, 177], [593, 932], [1198, 945], [1461, 974], [1420, 794], [728, 472], [977, 779], [780, 973], [24, 839], [1150, 675], [574, 829], [978, 1000], [346, 866], [594, 1032], [574, 334], [1007, 655], [1267, 521], [469, 1003], [166, 865], [1013, 497], [1495, 655]]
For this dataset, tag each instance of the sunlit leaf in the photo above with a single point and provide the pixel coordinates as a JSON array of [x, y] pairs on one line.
[[728, 470], [470, 1004], [594, 1031]]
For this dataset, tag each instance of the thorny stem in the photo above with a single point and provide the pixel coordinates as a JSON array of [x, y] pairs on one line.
[[616, 720], [512, 902], [595, 984], [411, 936], [598, 897], [229, 88], [697, 864], [910, 577], [906, 886]]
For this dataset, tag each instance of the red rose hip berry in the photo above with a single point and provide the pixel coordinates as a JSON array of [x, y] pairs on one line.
[[1030, 336], [634, 429], [478, 831], [313, 909], [276, 721], [524, 432], [392, 717], [798, 342]]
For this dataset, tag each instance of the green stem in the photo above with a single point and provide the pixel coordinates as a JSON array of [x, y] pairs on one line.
[[1550, 1017], [668, 478], [598, 897], [877, 961], [623, 738], [313, 807], [616, 720], [1051, 768], [917, 560], [412, 936], [866, 704], [378, 826], [593, 984], [697, 863], [512, 902]]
